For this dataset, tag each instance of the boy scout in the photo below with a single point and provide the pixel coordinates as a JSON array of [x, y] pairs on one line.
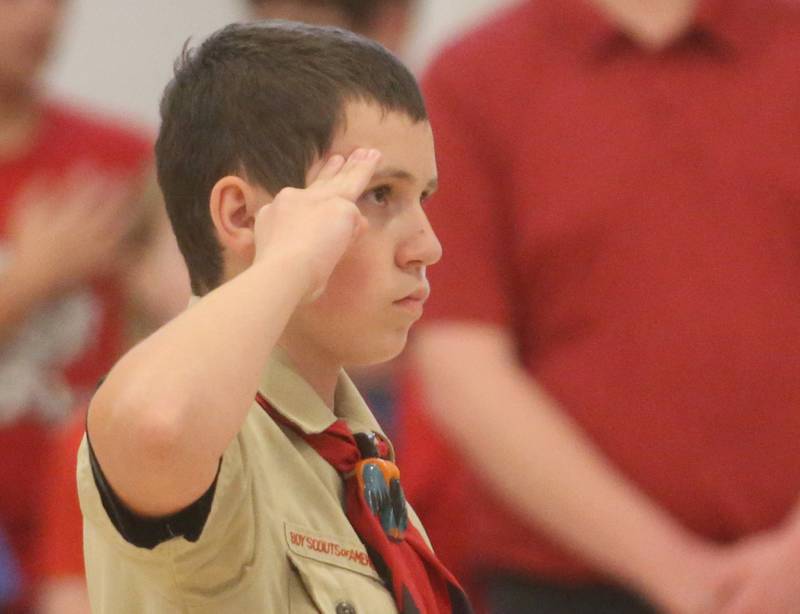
[[230, 465]]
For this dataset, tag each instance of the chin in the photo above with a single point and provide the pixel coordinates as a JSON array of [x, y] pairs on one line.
[[378, 350]]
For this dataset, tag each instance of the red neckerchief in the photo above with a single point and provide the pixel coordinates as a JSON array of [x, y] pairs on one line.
[[419, 583]]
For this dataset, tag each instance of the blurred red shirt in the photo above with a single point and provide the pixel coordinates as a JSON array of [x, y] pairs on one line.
[[633, 218], [62, 350]]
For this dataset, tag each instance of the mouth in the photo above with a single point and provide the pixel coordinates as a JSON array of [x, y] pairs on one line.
[[414, 301], [419, 295]]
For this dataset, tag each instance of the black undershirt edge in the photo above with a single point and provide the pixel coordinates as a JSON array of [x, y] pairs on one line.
[[146, 532]]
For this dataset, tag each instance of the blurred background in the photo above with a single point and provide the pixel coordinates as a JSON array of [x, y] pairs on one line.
[[600, 410], [114, 55]]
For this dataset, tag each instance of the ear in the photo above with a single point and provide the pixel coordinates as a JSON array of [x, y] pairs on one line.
[[233, 205]]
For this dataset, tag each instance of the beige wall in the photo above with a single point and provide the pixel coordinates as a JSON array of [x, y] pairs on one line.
[[116, 55]]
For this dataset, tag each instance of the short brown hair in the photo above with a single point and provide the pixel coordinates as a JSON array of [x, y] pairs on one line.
[[262, 100]]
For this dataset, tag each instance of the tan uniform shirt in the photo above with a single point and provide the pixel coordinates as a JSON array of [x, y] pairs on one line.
[[276, 539]]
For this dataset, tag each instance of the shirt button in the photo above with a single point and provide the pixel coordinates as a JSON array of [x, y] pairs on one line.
[[344, 607]]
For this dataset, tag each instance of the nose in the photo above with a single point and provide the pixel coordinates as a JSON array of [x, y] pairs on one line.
[[419, 246]]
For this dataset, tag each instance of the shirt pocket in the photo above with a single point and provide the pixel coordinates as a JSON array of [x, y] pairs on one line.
[[331, 575]]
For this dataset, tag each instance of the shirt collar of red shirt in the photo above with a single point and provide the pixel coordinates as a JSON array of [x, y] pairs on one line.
[[722, 24]]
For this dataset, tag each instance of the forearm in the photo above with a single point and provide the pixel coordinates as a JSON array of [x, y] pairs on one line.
[[172, 405], [541, 464]]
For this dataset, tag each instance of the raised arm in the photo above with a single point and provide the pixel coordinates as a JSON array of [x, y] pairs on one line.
[[167, 411]]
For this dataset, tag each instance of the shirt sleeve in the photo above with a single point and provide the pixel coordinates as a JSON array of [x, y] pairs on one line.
[[193, 558], [469, 213], [146, 532]]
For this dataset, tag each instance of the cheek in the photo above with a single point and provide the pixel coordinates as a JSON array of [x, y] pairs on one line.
[[354, 317], [354, 281]]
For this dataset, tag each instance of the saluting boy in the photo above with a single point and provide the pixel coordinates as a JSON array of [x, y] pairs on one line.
[[230, 465]]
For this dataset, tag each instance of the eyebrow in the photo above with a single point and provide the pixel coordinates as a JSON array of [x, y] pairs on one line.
[[397, 173]]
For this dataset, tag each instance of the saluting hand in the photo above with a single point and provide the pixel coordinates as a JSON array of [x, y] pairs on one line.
[[317, 224]]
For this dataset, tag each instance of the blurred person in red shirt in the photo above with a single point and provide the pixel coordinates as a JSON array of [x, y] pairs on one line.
[[86, 263], [58, 552], [610, 356]]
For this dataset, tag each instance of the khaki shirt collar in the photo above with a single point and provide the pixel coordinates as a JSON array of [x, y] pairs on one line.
[[295, 399]]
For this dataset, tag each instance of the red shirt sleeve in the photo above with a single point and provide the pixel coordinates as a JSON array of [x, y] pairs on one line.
[[61, 546], [471, 282]]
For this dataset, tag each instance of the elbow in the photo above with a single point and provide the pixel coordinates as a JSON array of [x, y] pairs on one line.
[[158, 435], [130, 423]]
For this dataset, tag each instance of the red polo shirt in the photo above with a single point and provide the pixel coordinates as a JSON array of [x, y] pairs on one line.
[[67, 344], [634, 218]]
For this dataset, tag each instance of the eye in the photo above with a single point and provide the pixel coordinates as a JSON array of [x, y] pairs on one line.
[[424, 197], [377, 196]]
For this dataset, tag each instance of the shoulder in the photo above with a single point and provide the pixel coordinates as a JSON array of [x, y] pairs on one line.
[[768, 23], [479, 75], [786, 8], [492, 43], [476, 80], [785, 17]]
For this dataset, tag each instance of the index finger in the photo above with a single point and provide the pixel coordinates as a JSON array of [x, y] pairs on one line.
[[353, 178], [323, 170]]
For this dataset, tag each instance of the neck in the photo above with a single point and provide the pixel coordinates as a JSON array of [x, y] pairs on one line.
[[318, 369], [654, 23], [20, 112]]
